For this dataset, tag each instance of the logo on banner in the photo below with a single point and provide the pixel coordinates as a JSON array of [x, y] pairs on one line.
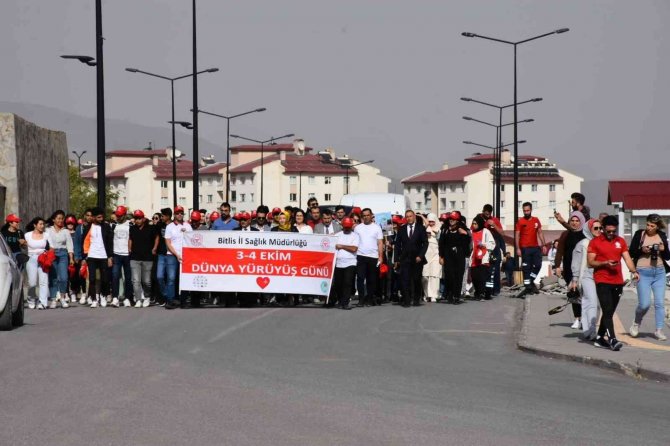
[[262, 282], [196, 239], [200, 281], [325, 244], [324, 286]]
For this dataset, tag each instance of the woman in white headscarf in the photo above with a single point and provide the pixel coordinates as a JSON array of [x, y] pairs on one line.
[[582, 279], [432, 270]]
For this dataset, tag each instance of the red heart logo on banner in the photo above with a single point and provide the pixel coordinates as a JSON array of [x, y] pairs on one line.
[[262, 281]]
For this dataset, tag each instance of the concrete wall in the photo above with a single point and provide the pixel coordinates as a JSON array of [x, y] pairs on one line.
[[33, 168]]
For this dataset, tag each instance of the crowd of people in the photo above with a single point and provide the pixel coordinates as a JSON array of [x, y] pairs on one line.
[[133, 261]]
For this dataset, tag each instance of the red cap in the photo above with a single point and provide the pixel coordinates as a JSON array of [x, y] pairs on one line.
[[347, 222], [214, 216], [80, 221], [178, 209], [11, 218], [396, 219], [403, 221], [444, 217], [243, 216], [138, 214], [253, 214], [356, 210], [70, 220], [120, 211], [454, 215], [196, 216], [276, 211]]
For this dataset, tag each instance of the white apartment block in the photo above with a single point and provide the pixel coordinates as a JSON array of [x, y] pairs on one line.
[[467, 188]]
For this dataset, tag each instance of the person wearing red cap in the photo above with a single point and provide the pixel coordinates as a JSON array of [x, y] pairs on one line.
[[225, 222], [346, 244], [13, 235], [141, 244], [121, 259], [174, 240], [454, 249], [196, 221]]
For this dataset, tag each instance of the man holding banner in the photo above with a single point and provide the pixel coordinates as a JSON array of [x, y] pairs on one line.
[[345, 265], [174, 236]]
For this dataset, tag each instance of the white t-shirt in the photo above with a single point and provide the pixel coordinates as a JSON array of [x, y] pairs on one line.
[[305, 229], [97, 248], [36, 247], [370, 235], [344, 257], [121, 235], [174, 233]]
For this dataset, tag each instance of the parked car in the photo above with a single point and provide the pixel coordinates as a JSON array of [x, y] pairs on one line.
[[11, 288]]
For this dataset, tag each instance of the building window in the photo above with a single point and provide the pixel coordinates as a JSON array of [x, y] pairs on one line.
[[518, 204], [292, 180], [327, 197], [251, 197], [242, 198], [311, 179], [502, 203], [520, 185], [533, 187], [552, 204], [552, 188], [443, 187], [210, 198], [462, 204], [443, 204], [552, 221], [164, 201], [293, 197], [502, 188], [452, 188], [182, 184], [182, 199], [327, 180], [452, 205], [418, 205], [233, 195], [534, 203], [164, 184]]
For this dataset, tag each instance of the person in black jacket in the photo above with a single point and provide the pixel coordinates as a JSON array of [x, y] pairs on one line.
[[411, 245], [454, 249], [98, 247]]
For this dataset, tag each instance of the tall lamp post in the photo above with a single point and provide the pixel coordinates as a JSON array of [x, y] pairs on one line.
[[516, 103], [174, 148], [97, 62], [79, 155], [347, 167], [499, 140], [228, 118], [188, 126], [496, 155], [262, 143]]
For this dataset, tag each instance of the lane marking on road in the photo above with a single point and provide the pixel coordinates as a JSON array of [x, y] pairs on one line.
[[236, 327], [635, 342]]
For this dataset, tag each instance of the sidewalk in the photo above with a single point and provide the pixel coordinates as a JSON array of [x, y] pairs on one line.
[[551, 336]]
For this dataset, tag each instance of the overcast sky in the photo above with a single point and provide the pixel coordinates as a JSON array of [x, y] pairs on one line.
[[375, 79]]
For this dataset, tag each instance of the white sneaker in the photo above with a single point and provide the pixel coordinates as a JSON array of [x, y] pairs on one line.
[[41, 307], [115, 302], [126, 303], [94, 304], [82, 300], [138, 303], [634, 331], [31, 305], [146, 302], [660, 336], [103, 302], [64, 304], [53, 304], [577, 324]]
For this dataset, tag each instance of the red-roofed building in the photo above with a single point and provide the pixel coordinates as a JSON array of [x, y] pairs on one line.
[[468, 187], [633, 200]]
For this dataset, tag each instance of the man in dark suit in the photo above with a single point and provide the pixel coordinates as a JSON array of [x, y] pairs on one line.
[[411, 244], [244, 219], [244, 299]]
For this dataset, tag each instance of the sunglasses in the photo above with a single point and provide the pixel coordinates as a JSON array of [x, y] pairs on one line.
[[178, 213], [597, 228], [610, 232]]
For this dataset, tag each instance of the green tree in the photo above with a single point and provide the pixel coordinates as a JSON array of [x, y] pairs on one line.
[[83, 195]]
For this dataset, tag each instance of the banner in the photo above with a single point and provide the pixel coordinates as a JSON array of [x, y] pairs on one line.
[[258, 262]]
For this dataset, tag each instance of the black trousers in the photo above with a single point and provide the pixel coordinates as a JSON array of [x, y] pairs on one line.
[[454, 270], [341, 287], [367, 272], [608, 296], [531, 263], [480, 275], [410, 277], [101, 266]]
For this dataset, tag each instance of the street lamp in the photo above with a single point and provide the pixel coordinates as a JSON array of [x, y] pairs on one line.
[[348, 166], [498, 153], [262, 143], [187, 125], [97, 62], [497, 157], [516, 103], [228, 118], [174, 148], [523, 141], [79, 155]]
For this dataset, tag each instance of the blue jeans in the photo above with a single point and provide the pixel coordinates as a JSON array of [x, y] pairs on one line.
[[166, 272], [652, 279], [122, 262], [58, 273]]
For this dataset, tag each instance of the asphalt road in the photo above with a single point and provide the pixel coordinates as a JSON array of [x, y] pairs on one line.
[[435, 375]]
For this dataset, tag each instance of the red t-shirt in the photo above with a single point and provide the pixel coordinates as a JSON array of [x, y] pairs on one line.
[[528, 232], [608, 250]]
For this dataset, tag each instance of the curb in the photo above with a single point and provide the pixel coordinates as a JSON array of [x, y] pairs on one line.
[[637, 371]]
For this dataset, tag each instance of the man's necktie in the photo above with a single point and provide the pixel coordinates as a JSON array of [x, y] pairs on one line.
[[411, 230]]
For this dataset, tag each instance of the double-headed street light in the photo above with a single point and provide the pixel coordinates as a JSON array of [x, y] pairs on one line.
[[348, 166], [516, 103], [499, 139], [523, 141], [79, 155], [262, 143], [228, 118], [174, 148]]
